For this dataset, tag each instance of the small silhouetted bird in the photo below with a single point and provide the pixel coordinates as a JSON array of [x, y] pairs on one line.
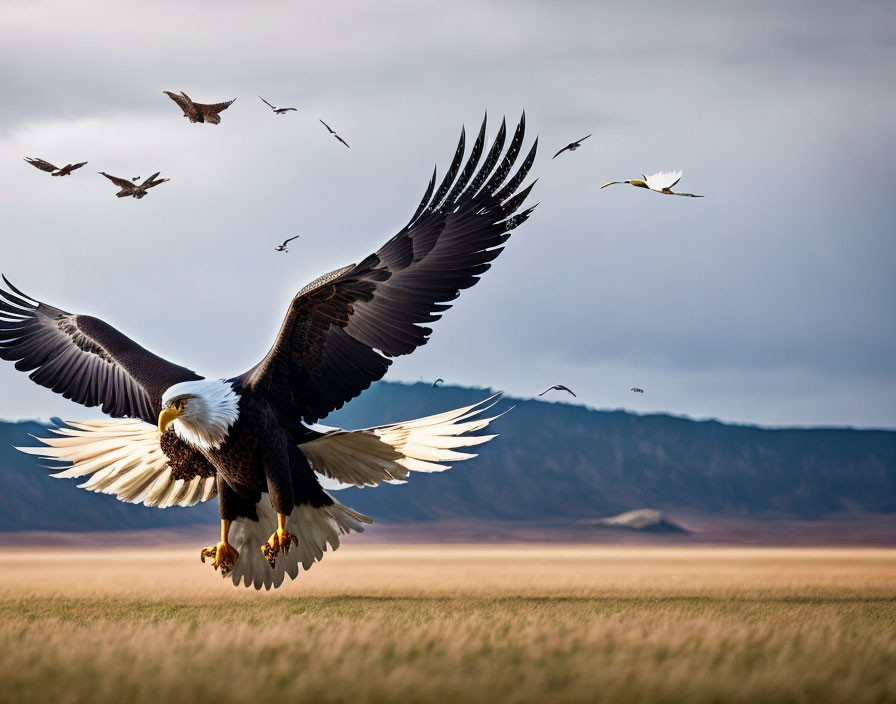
[[332, 132], [637, 390], [279, 111], [135, 178], [438, 381], [132, 189], [54, 170], [558, 387], [283, 247], [661, 182], [199, 112], [572, 146]]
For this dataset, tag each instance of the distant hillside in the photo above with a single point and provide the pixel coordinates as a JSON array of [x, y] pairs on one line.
[[552, 461]]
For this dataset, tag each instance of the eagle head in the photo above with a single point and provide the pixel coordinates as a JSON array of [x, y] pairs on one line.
[[200, 412]]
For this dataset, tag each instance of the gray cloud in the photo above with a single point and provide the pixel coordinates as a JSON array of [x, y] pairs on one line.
[[769, 301]]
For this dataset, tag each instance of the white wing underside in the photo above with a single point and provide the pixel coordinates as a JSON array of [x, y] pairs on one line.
[[121, 457], [663, 179], [389, 453]]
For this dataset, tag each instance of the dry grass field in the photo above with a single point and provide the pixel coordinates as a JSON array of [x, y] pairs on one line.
[[444, 624]]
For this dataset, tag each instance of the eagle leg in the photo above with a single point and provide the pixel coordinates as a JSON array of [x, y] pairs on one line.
[[280, 540], [223, 554]]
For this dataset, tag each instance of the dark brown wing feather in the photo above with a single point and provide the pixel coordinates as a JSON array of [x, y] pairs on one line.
[[120, 182], [84, 358], [210, 112], [341, 330], [41, 164], [187, 105]]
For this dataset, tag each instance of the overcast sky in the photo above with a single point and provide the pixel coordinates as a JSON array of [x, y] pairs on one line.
[[769, 301]]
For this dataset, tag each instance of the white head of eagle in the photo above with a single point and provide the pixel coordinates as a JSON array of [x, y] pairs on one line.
[[201, 411]]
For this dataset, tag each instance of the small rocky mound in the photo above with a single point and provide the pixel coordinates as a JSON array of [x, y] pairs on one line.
[[643, 519]]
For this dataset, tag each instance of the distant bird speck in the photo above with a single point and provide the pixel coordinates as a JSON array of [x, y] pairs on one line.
[[199, 112], [278, 111], [661, 182], [637, 390], [283, 247], [572, 146], [332, 132], [558, 387], [53, 170], [438, 381]]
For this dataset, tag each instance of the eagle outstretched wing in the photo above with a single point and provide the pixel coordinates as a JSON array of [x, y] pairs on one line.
[[210, 112], [127, 458], [341, 330], [83, 358], [41, 164], [187, 105], [89, 361], [120, 182]]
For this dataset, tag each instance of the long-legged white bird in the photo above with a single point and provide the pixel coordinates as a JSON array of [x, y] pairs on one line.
[[661, 182]]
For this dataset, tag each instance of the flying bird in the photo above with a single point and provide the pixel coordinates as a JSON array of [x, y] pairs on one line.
[[135, 178], [438, 381], [279, 111], [636, 390], [132, 189], [572, 146], [283, 247], [330, 130], [176, 438], [661, 182], [558, 387], [54, 170], [199, 112]]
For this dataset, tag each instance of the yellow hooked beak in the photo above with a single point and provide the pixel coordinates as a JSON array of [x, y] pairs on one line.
[[166, 417]]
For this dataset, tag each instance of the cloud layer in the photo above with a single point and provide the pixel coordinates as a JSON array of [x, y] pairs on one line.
[[770, 301]]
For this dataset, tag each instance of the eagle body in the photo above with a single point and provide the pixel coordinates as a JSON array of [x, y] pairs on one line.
[[175, 438], [259, 454]]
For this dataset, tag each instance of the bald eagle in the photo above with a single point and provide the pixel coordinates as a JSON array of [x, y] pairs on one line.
[[177, 438]]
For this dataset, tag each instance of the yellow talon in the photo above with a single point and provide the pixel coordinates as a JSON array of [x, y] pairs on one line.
[[280, 541], [224, 556]]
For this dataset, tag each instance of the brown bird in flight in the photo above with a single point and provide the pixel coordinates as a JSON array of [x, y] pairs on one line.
[[279, 111], [572, 146], [199, 112], [558, 387], [54, 170], [330, 130], [283, 247], [132, 189]]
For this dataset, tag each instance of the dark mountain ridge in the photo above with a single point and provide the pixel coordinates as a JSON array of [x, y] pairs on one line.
[[552, 461]]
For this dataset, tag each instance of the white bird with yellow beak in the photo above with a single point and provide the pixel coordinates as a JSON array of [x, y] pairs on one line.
[[660, 182]]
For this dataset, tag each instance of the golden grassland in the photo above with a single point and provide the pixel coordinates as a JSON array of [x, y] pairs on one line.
[[458, 623]]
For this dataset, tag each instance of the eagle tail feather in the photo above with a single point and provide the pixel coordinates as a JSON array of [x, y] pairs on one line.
[[317, 529]]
